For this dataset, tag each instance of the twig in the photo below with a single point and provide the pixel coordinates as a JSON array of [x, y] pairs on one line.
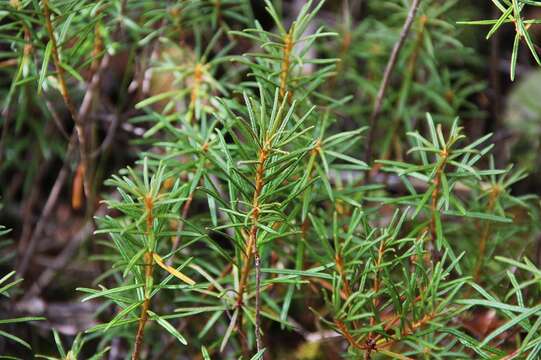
[[109, 137], [347, 335], [387, 77], [84, 109], [149, 268], [60, 261], [30, 201], [78, 117], [376, 286], [251, 246], [258, 340], [79, 125], [149, 265], [407, 83], [435, 197], [56, 118], [47, 209]]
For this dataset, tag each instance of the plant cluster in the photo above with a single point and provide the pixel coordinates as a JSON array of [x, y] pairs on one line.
[[299, 177]]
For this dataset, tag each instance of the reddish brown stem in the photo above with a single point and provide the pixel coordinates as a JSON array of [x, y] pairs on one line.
[[251, 246], [347, 335], [149, 266], [340, 267], [259, 182], [373, 344], [78, 188], [407, 331]]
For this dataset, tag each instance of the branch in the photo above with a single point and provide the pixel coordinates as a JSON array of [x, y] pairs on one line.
[[251, 247], [47, 209], [387, 77], [79, 125], [149, 268]]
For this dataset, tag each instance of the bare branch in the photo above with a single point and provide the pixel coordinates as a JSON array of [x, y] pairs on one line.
[[387, 77]]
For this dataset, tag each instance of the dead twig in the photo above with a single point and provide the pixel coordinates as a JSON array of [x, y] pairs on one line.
[[47, 209], [387, 77], [60, 261]]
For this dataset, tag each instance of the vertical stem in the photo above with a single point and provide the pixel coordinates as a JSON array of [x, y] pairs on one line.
[[149, 268], [375, 289], [257, 264], [251, 246], [340, 267], [78, 188], [149, 265], [444, 154]]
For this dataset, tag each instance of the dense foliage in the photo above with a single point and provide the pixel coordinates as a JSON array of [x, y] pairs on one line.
[[268, 179]]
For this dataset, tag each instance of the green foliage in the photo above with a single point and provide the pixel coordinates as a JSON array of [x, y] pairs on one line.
[[512, 11], [5, 286], [246, 213], [74, 352]]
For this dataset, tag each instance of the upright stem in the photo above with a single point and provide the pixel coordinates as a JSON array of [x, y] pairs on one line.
[[149, 269], [346, 287], [257, 263], [444, 154], [340, 267], [375, 289], [251, 246], [387, 77], [149, 266]]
